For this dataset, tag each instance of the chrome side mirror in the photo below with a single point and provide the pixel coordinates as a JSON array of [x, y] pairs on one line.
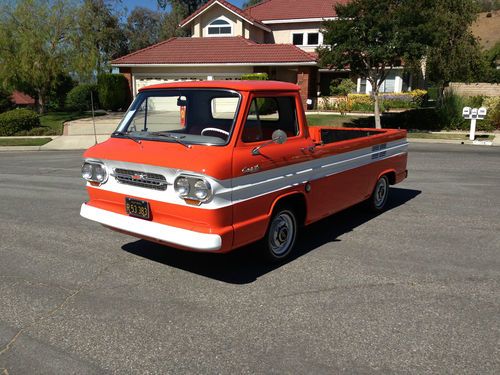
[[279, 137]]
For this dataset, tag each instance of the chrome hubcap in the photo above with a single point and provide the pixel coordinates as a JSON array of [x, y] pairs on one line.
[[381, 192], [281, 233]]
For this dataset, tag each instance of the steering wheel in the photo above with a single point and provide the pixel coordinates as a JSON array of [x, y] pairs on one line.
[[217, 130]]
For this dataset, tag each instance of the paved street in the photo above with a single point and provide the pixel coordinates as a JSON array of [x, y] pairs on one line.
[[413, 290]]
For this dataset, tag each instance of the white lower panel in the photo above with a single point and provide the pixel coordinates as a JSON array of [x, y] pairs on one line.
[[173, 235]]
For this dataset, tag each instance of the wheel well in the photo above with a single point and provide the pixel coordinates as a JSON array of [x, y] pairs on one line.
[[391, 176], [297, 202]]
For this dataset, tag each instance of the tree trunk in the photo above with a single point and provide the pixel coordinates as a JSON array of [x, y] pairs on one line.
[[378, 125], [42, 101]]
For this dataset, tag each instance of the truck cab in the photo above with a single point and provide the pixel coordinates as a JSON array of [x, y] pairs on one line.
[[215, 165]]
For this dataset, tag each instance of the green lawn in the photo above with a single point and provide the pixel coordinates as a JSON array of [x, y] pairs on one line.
[[24, 141], [54, 121], [452, 136], [331, 120]]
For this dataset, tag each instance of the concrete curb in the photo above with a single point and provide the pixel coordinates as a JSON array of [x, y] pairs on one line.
[[452, 141], [20, 148]]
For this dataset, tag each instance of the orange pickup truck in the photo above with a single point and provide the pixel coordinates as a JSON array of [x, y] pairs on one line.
[[215, 165]]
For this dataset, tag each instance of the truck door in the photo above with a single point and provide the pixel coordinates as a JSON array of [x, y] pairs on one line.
[[262, 168]]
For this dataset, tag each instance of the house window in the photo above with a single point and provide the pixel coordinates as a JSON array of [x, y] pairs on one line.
[[220, 26], [313, 39], [298, 39], [306, 39]]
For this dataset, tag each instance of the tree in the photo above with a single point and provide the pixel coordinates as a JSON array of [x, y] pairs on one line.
[[454, 53], [190, 6], [170, 23], [143, 28], [367, 39], [34, 45], [179, 9], [98, 38], [371, 37], [250, 3]]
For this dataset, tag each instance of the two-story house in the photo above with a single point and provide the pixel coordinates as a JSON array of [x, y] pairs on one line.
[[278, 37]]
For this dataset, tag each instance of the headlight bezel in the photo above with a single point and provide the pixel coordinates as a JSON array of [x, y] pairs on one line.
[[94, 166], [190, 194]]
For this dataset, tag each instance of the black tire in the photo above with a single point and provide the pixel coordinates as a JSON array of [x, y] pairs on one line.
[[281, 234], [379, 195]]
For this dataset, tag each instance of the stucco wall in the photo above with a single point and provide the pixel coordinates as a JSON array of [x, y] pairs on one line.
[[282, 33]]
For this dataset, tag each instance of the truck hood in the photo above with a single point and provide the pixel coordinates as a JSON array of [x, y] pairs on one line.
[[214, 161]]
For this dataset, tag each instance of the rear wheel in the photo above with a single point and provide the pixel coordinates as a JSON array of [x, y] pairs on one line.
[[380, 194], [281, 234]]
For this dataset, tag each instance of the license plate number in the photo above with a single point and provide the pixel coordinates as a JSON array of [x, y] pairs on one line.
[[137, 208]]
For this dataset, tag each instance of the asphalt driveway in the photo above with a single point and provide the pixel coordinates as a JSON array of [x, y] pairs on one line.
[[414, 290]]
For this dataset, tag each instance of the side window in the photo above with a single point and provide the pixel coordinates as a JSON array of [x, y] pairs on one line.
[[268, 114]]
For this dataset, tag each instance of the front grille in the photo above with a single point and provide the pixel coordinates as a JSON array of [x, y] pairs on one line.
[[141, 179]]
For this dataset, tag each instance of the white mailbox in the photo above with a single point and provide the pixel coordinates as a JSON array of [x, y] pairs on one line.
[[473, 114], [481, 113]]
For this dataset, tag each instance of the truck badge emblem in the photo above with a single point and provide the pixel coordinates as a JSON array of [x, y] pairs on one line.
[[138, 177], [253, 169]]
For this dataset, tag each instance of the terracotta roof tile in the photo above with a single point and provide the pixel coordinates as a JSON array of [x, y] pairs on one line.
[[293, 9], [215, 50], [20, 98]]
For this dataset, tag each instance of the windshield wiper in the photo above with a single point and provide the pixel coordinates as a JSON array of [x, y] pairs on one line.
[[127, 135], [171, 136]]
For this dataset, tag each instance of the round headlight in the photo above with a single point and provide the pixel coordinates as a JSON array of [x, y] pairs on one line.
[[100, 174], [87, 171], [201, 189], [181, 186]]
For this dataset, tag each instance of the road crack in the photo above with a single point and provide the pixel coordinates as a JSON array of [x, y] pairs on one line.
[[52, 312]]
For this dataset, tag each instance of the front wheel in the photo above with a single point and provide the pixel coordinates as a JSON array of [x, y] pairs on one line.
[[380, 194], [281, 234]]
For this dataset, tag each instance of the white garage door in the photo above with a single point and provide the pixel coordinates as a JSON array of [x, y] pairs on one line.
[[143, 82]]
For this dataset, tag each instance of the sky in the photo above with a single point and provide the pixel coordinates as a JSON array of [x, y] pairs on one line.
[[152, 4]]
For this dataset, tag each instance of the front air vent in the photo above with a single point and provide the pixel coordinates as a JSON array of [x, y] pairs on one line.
[[141, 179]]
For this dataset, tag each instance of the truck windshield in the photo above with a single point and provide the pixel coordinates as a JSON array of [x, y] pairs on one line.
[[185, 116]]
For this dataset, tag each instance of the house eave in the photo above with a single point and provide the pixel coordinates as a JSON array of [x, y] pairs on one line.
[[299, 63], [262, 27], [298, 20]]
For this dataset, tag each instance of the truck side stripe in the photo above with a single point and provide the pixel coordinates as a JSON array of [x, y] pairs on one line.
[[239, 189]]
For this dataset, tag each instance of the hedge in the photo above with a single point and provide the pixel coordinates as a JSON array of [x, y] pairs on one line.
[[403, 100], [17, 120], [113, 91], [255, 76], [78, 99]]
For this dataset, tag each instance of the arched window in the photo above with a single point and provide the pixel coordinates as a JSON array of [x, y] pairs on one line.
[[220, 26]]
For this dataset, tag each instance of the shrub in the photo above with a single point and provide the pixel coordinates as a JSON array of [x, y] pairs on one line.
[[255, 77], [493, 106], [342, 88], [449, 110], [78, 99], [18, 120], [113, 91], [61, 87], [5, 103]]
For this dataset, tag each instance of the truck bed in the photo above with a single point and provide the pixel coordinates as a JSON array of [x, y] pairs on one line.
[[327, 135]]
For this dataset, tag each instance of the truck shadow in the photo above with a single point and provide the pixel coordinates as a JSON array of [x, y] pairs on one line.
[[244, 265]]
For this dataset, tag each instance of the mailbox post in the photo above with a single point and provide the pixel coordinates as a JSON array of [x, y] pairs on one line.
[[473, 114]]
